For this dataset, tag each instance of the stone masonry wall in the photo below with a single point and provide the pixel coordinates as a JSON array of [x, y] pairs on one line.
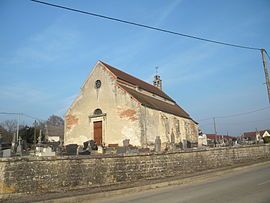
[[54, 174]]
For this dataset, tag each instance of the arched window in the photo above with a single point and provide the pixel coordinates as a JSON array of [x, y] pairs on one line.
[[97, 112]]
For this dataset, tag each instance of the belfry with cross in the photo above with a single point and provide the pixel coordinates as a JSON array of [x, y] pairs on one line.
[[157, 81]]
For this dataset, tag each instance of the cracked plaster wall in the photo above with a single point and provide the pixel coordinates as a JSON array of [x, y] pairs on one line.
[[121, 119], [125, 118]]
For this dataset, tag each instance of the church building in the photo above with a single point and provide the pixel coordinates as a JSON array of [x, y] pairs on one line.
[[114, 106]]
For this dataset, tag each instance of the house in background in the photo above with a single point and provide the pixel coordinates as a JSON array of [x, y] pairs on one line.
[[54, 133], [254, 136], [114, 106], [265, 133], [220, 140]]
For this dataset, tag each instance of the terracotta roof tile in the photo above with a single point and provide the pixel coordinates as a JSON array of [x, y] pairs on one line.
[[157, 104], [253, 134], [249, 134], [214, 136], [146, 100], [137, 82]]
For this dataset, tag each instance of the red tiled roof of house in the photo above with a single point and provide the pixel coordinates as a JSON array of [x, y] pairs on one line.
[[253, 133], [214, 136], [249, 134]]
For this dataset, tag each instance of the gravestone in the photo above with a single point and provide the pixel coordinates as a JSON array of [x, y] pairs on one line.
[[90, 145], [6, 153], [44, 151], [121, 150], [80, 149], [132, 150], [126, 142], [19, 148], [144, 150], [71, 149], [100, 150], [111, 150]]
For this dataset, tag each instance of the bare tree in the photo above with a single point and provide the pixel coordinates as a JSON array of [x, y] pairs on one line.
[[9, 125], [55, 120]]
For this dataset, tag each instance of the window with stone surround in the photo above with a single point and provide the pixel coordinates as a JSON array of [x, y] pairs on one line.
[[97, 112]]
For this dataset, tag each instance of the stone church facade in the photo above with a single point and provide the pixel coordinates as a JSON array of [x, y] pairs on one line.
[[114, 106]]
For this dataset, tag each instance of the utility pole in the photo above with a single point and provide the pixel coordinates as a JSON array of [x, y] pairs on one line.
[[257, 136], [267, 82], [215, 129]]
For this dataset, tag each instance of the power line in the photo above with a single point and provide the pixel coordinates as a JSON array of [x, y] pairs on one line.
[[241, 122], [244, 113], [9, 113], [235, 115], [21, 114], [232, 123], [146, 26], [32, 117]]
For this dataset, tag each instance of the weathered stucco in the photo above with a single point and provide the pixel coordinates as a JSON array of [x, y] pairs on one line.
[[120, 112], [170, 128], [123, 117]]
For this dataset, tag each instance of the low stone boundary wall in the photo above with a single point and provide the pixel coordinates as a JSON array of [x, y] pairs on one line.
[[55, 174]]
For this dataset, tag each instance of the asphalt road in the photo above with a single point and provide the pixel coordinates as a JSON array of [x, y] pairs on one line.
[[252, 184]]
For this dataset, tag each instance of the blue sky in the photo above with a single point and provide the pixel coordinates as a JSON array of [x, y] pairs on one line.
[[47, 53]]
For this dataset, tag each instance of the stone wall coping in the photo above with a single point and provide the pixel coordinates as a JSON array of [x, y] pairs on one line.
[[83, 157]]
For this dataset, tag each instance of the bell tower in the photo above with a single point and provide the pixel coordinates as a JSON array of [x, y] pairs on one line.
[[157, 82]]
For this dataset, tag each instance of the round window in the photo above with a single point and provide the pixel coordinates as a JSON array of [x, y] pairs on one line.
[[98, 84]]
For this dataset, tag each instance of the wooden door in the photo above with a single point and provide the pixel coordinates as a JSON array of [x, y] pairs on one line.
[[98, 132]]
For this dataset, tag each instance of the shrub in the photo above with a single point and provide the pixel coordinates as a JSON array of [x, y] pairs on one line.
[[266, 139]]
